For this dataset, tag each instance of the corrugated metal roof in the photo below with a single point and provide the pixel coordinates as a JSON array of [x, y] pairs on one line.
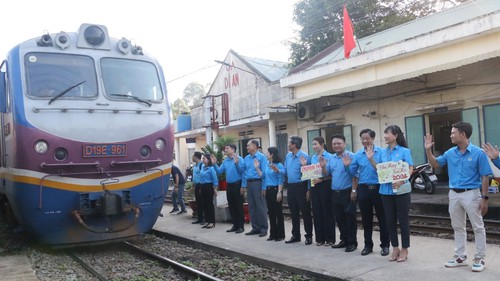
[[272, 70], [424, 25]]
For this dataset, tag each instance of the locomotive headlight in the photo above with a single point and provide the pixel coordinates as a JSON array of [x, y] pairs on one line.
[[160, 144], [94, 35], [41, 147], [60, 153], [145, 151]]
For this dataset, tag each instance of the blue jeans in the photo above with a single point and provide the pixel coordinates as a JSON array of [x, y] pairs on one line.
[[177, 196]]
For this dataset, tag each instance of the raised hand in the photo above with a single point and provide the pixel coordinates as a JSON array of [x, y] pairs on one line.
[[303, 160], [322, 161], [256, 163], [428, 143], [213, 158], [369, 150], [491, 151], [274, 167], [235, 158], [346, 159]]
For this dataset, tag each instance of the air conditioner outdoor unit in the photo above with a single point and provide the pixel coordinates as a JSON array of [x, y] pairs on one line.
[[303, 112]]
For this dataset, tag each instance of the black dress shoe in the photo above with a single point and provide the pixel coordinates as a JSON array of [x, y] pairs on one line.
[[366, 251], [252, 232], [293, 240], [279, 239], [350, 248], [385, 251], [173, 211], [270, 239], [196, 222], [232, 229], [262, 234], [309, 241], [239, 230], [341, 244]]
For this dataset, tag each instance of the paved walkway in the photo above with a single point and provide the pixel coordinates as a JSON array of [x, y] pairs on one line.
[[425, 261]]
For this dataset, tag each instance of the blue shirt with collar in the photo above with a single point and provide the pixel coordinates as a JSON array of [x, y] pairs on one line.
[[196, 172], [208, 175], [341, 175], [315, 157], [233, 172], [274, 178], [363, 169], [251, 172], [292, 166], [465, 170], [396, 154], [496, 162]]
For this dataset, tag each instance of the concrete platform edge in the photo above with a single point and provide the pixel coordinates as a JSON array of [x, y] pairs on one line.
[[235, 254]]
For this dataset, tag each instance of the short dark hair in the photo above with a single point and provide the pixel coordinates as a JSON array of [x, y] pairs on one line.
[[255, 141], [297, 141], [370, 132], [232, 146], [463, 127], [320, 140], [274, 152], [197, 154], [338, 136]]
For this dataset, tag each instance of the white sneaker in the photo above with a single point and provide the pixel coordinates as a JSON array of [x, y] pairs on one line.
[[456, 261], [478, 265]]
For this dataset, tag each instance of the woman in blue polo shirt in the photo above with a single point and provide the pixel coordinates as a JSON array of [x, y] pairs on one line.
[[396, 207], [209, 184]]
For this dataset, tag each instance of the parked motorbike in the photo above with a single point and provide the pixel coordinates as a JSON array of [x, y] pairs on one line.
[[423, 178], [189, 173]]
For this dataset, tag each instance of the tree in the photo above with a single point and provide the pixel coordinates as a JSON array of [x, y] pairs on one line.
[[193, 94], [321, 20], [179, 106]]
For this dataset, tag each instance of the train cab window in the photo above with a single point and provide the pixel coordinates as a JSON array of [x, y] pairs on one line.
[[123, 79], [49, 75]]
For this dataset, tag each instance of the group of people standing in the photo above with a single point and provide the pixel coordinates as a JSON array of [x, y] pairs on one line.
[[347, 180]]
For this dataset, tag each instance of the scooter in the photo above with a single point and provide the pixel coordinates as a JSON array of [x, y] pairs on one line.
[[423, 178]]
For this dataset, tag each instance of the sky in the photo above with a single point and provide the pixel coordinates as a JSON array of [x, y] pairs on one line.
[[186, 36]]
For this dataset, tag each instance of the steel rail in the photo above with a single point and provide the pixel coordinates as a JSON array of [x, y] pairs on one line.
[[186, 269]]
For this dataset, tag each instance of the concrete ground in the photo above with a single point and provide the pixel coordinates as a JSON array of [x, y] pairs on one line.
[[425, 261]]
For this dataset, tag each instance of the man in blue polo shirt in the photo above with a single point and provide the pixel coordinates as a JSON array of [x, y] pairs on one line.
[[253, 182], [234, 167], [298, 190], [468, 170], [344, 208]]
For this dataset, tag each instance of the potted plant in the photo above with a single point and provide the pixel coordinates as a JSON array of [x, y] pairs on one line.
[[220, 144], [189, 196]]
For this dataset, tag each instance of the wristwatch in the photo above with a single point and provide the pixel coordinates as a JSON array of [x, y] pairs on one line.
[[485, 197]]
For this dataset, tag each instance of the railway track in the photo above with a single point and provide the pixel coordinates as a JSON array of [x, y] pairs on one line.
[[186, 271], [437, 225]]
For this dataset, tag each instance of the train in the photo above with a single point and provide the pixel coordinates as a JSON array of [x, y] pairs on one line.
[[86, 138]]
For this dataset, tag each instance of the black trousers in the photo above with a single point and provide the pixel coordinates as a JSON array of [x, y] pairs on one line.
[[397, 207], [368, 200], [207, 198], [299, 205], [275, 211], [235, 202], [199, 202], [344, 211], [324, 224]]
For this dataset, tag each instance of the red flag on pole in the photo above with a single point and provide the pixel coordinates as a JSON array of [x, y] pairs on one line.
[[349, 43]]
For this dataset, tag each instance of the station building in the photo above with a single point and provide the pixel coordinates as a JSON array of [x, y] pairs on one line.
[[423, 76]]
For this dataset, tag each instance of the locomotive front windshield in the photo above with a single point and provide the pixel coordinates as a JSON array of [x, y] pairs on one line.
[[129, 78], [50, 75]]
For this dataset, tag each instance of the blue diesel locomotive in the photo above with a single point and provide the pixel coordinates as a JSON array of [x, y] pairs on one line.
[[86, 137]]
